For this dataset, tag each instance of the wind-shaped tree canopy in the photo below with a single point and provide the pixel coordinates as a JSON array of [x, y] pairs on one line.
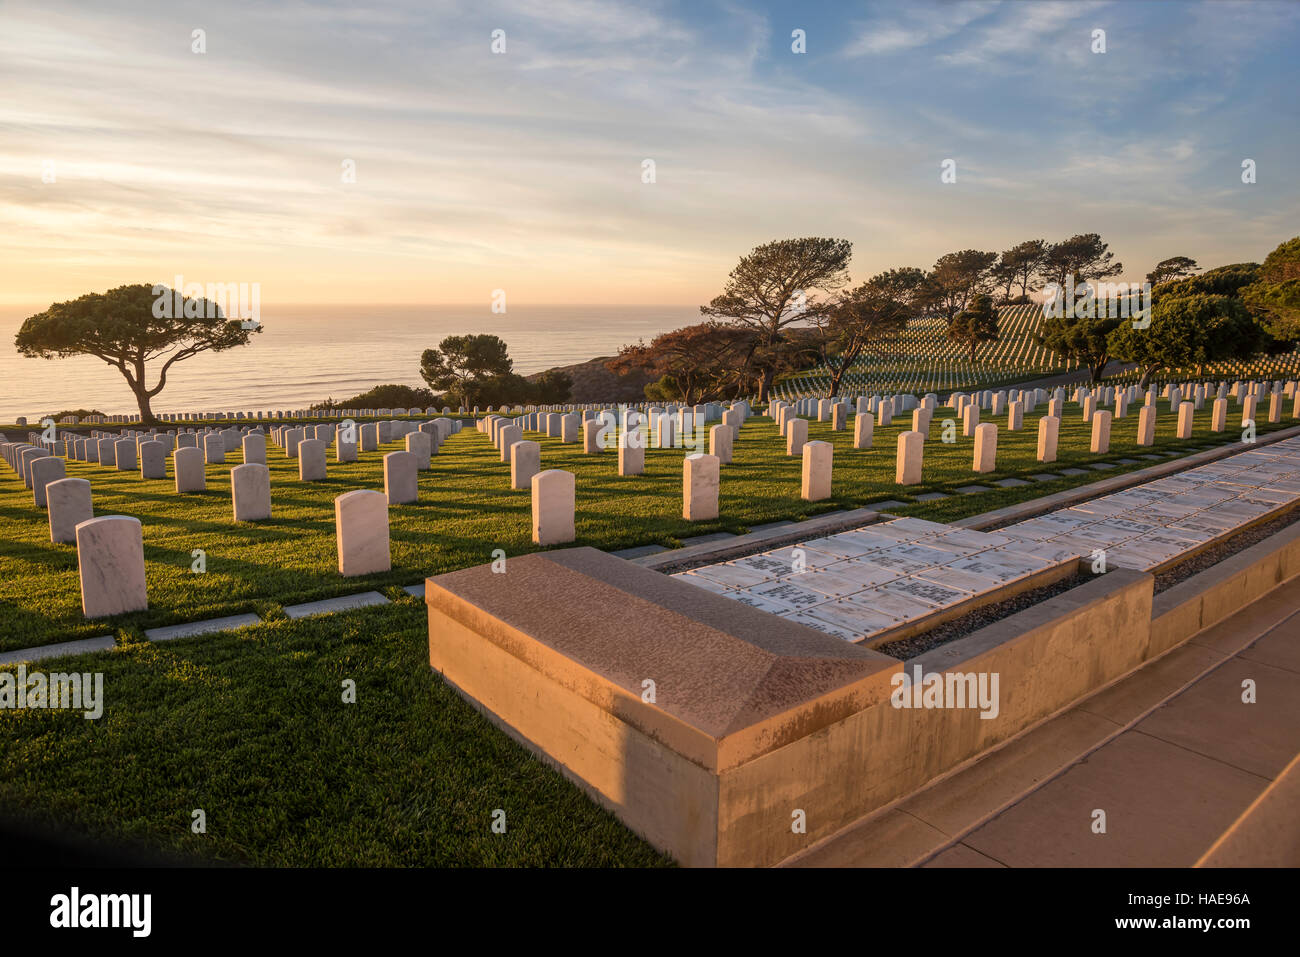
[[130, 327], [778, 285]]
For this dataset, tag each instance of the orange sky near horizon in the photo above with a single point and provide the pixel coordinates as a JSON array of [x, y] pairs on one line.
[[127, 157]]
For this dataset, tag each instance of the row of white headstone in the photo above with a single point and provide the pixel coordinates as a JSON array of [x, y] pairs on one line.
[[712, 410], [1186, 399], [629, 430], [110, 548], [1221, 388]]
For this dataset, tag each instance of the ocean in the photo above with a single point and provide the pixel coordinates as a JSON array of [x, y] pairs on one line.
[[308, 353]]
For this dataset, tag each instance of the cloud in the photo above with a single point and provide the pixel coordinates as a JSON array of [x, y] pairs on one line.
[[1028, 32], [919, 25], [524, 168]]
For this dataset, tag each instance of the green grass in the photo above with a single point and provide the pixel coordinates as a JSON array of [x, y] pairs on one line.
[[467, 510], [250, 727]]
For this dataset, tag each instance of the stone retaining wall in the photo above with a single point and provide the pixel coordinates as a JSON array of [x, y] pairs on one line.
[[1226, 587], [756, 723]]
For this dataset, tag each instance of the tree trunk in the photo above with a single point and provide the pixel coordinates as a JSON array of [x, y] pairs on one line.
[[835, 382], [765, 384], [1097, 369], [146, 414], [1145, 380]]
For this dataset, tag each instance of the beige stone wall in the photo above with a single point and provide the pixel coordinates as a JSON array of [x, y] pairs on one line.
[[1217, 592], [1047, 657], [731, 799], [666, 798]]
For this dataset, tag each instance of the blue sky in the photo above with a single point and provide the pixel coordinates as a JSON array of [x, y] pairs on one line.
[[522, 171]]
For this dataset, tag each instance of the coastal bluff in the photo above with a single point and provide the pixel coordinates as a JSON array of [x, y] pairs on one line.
[[592, 382]]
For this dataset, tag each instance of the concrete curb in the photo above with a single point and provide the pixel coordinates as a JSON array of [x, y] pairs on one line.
[[1216, 593], [1264, 835], [59, 650], [207, 626], [327, 606], [767, 538]]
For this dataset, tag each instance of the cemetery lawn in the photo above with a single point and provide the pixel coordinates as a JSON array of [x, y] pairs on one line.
[[467, 510], [250, 727]]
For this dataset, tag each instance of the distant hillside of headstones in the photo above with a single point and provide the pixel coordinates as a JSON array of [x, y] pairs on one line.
[[921, 358]]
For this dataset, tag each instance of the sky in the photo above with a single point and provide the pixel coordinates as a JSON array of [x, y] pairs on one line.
[[126, 156]]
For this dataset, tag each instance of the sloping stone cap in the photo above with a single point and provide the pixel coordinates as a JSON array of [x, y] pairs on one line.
[[719, 666]]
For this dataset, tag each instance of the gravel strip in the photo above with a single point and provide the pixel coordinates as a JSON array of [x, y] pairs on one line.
[[906, 648], [1226, 549]]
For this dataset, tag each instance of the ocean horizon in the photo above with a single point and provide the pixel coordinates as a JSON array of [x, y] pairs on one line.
[[307, 353]]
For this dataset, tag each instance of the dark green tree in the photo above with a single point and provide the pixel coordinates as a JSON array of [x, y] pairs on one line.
[[462, 366], [130, 327], [1002, 277], [1220, 281], [507, 389], [858, 319], [1023, 262], [1083, 256], [388, 396], [698, 362], [552, 387], [957, 277], [911, 286], [975, 324], [1187, 333], [1176, 267], [663, 389], [1274, 297], [1084, 340]]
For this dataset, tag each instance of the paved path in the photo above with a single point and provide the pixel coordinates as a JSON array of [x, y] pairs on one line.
[[1185, 771]]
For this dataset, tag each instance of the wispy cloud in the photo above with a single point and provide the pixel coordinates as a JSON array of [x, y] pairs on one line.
[[915, 26], [477, 171], [1057, 31]]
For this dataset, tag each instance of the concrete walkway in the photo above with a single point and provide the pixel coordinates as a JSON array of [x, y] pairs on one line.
[[1185, 772]]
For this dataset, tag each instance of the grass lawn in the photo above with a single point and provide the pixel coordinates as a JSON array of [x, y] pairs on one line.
[[466, 510], [250, 727]]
